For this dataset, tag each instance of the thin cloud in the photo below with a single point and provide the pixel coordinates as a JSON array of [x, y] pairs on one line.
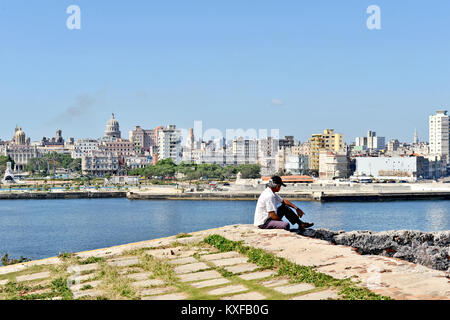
[[277, 102]]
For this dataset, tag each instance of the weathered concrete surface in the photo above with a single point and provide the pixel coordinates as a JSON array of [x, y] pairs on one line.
[[387, 276], [431, 249]]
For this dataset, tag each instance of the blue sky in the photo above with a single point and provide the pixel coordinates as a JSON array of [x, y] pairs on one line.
[[300, 66]]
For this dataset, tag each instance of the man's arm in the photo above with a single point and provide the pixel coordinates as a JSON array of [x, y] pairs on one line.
[[300, 213], [274, 216]]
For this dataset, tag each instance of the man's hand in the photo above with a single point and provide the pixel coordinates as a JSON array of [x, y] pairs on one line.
[[300, 213]]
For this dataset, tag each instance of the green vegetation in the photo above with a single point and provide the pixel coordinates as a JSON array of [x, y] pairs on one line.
[[50, 162], [92, 260], [3, 161], [167, 168], [7, 261], [183, 235], [347, 289]]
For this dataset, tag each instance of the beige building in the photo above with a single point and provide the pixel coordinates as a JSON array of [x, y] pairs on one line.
[[333, 164]]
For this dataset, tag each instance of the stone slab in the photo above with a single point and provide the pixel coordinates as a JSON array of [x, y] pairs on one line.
[[86, 293], [183, 260], [222, 255], [155, 291], [172, 296], [274, 282], [139, 276], [210, 283], [191, 267], [321, 295], [228, 290], [78, 287], [3, 282], [229, 261], [197, 276], [294, 288], [246, 267], [123, 262], [79, 279], [257, 275], [246, 296], [33, 276], [147, 283], [82, 268]]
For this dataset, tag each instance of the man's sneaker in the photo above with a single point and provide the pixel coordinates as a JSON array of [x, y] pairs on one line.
[[306, 225]]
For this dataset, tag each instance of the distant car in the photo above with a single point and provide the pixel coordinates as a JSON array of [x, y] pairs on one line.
[[227, 184]]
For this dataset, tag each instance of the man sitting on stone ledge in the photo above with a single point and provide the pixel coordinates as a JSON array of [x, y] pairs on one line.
[[271, 208]]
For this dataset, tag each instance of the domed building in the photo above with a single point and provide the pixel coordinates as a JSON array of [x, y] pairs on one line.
[[19, 136], [112, 128]]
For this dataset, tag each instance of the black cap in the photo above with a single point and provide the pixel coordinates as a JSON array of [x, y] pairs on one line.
[[277, 180]]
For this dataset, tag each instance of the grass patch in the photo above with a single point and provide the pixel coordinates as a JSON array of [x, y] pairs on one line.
[[115, 286], [160, 268], [60, 288], [347, 289], [92, 260], [183, 235]]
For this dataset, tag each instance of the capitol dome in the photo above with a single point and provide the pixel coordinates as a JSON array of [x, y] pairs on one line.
[[112, 128]]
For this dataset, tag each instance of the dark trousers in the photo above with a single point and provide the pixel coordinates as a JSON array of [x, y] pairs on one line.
[[282, 211]]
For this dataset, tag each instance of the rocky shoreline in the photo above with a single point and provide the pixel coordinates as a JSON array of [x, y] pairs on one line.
[[430, 249]]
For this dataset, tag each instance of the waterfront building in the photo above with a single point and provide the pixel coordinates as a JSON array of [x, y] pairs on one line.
[[143, 139], [21, 154], [121, 147], [333, 164], [327, 141], [84, 147], [169, 143], [138, 162], [297, 164], [100, 163], [439, 131], [112, 128], [409, 168]]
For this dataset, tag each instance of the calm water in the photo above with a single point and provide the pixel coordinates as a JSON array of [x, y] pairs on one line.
[[43, 228]]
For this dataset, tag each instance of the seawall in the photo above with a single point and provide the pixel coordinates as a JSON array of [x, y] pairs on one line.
[[61, 195], [294, 196]]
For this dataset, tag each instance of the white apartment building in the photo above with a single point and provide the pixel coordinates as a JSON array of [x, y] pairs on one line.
[[169, 143], [84, 147], [100, 163], [439, 134]]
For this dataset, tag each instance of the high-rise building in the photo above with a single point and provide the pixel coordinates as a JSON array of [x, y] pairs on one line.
[[169, 143], [328, 141], [371, 141], [439, 134], [143, 139]]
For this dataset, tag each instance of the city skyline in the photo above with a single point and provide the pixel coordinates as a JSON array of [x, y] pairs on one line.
[[299, 68]]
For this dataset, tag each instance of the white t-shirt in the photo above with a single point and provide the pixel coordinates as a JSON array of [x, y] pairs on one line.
[[267, 201]]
